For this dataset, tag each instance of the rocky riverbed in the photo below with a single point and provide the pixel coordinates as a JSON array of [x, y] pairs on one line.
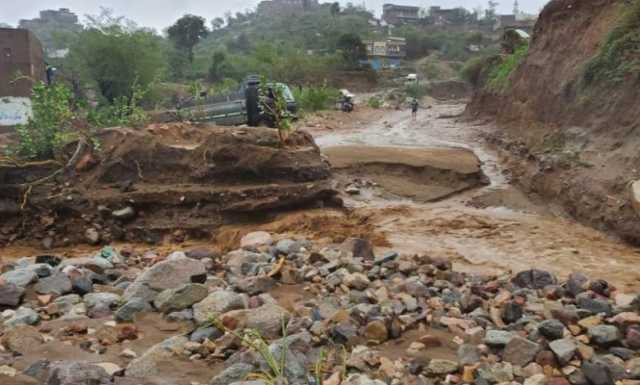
[[283, 310]]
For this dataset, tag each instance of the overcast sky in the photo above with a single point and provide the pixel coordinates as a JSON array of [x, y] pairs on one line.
[[161, 13]]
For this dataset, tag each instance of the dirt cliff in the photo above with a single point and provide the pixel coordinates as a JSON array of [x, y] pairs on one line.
[[169, 179], [569, 114]]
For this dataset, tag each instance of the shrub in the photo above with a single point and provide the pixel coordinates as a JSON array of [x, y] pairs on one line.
[[124, 111], [416, 90], [499, 75], [311, 99], [620, 54], [473, 68], [374, 102], [50, 126]]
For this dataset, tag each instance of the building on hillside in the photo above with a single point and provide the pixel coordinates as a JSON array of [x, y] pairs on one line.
[[50, 23], [62, 16], [21, 64], [451, 16], [271, 8], [400, 14], [386, 53], [507, 22]]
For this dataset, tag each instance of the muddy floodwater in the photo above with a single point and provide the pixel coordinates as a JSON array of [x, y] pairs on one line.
[[491, 228]]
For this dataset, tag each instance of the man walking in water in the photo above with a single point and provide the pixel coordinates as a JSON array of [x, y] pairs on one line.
[[414, 108]]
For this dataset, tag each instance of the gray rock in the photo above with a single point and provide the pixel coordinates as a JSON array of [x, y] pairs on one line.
[[497, 337], [23, 316], [255, 285], [497, 373], [101, 300], [233, 374], [67, 302], [41, 269], [77, 373], [217, 303], [361, 379], [38, 370], [139, 290], [520, 351], [58, 284], [128, 311], [96, 264], [288, 246], [577, 283], [357, 281], [439, 367], [205, 333], [597, 373], [534, 279], [593, 305], [564, 349], [81, 285], [267, 319], [148, 364], [386, 257], [604, 335], [10, 294], [468, 354], [256, 239], [180, 298], [172, 273], [19, 277], [551, 329], [180, 316]]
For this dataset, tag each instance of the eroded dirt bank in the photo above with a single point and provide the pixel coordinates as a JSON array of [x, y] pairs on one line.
[[184, 181], [569, 131]]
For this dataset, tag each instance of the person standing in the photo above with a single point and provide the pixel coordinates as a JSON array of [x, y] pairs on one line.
[[414, 108]]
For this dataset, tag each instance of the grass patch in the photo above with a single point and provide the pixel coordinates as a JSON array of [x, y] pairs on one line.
[[499, 76], [619, 56]]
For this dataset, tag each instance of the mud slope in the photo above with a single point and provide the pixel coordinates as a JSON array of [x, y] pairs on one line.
[[145, 184], [570, 140]]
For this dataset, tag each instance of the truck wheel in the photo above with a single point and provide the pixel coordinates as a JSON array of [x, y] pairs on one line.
[[253, 106]]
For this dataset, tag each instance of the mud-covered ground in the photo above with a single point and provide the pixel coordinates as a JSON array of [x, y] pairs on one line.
[[487, 228]]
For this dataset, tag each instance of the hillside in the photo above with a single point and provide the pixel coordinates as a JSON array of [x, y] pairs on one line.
[[569, 110]]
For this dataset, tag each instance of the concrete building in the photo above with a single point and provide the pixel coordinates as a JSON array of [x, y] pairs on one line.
[[400, 14], [48, 24], [286, 7], [21, 64], [387, 53]]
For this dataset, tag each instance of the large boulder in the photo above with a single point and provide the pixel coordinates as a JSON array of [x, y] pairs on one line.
[[172, 273], [149, 363], [180, 298], [268, 319], [77, 373], [10, 294], [19, 277], [217, 303]]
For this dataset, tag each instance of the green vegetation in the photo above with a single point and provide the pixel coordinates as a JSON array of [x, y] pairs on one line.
[[312, 98], [50, 125], [499, 75], [416, 90], [186, 33], [112, 57], [619, 57], [374, 102]]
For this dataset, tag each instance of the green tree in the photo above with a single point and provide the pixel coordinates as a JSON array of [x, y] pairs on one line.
[[352, 48], [115, 55], [217, 66], [217, 23], [187, 32]]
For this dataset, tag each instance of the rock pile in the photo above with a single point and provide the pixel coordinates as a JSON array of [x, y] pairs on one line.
[[340, 313]]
